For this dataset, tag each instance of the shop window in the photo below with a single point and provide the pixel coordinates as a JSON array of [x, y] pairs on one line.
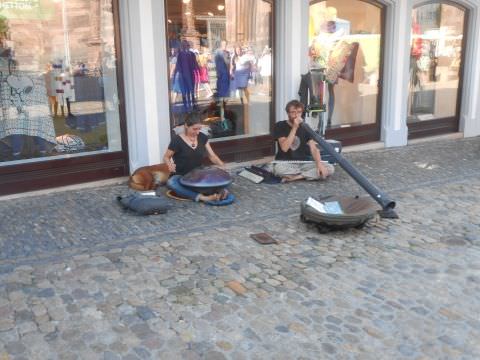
[[58, 85], [345, 40], [220, 56], [435, 63]]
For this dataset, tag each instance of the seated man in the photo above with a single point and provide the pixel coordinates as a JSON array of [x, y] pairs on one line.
[[296, 149]]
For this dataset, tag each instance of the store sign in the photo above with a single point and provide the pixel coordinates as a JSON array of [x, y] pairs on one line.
[[27, 9]]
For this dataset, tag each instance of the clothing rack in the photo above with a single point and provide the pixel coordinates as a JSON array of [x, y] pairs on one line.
[[314, 95]]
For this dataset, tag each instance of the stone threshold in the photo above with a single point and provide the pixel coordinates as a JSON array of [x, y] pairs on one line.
[[377, 145], [81, 186]]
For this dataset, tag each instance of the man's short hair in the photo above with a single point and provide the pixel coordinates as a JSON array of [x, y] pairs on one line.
[[294, 104]]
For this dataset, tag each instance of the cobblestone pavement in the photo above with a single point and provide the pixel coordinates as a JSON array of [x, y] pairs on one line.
[[81, 279]]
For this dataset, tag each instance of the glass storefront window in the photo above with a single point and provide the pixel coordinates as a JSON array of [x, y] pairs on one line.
[[435, 62], [58, 86], [220, 56], [345, 51]]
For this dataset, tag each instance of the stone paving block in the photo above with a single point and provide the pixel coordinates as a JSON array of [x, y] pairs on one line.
[[134, 287]]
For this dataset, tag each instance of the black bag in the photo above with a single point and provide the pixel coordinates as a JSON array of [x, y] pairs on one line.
[[144, 204]]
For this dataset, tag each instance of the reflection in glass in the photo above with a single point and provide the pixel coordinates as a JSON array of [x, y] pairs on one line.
[[435, 61], [58, 86], [345, 39], [221, 64]]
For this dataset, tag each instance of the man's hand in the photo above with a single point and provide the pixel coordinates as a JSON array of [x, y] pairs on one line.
[[297, 121], [322, 170]]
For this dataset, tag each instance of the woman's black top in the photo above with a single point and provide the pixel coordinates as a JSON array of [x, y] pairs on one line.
[[185, 157]]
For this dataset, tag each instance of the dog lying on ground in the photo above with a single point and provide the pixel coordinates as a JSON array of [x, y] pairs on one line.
[[149, 177]]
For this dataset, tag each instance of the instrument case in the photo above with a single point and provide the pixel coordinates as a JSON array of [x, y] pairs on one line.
[[337, 212]]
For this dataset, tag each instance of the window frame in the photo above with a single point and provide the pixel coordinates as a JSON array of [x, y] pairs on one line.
[[360, 134], [450, 124], [248, 147], [50, 172]]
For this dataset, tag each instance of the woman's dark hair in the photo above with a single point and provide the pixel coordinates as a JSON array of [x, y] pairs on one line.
[[192, 118], [295, 104]]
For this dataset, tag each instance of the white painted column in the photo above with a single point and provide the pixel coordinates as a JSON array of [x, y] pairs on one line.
[[162, 75], [394, 131], [470, 108], [145, 80], [291, 53]]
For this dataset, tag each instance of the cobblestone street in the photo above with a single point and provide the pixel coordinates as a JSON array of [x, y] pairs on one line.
[[82, 279]]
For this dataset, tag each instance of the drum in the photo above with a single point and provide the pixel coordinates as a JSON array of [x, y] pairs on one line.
[[207, 181]]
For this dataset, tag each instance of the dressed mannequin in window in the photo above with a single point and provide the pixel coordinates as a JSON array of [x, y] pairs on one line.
[[174, 76], [51, 91], [240, 72], [332, 80], [186, 66], [242, 63], [203, 61], [64, 87], [222, 67], [337, 57]]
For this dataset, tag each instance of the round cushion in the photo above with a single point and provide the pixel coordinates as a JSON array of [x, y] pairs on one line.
[[173, 195]]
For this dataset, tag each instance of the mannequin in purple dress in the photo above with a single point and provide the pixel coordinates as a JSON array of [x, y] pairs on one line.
[[222, 66], [186, 67]]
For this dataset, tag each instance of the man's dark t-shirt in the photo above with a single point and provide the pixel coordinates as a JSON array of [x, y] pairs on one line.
[[186, 158], [298, 150]]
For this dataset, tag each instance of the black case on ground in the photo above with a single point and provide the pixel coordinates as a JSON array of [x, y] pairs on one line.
[[356, 211]]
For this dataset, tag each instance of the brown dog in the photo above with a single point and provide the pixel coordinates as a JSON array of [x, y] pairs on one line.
[[149, 177]]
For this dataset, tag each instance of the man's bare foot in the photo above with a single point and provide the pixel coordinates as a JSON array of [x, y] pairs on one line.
[[204, 198], [290, 178], [223, 194]]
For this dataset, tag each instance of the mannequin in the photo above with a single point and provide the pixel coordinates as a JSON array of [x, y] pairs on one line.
[[240, 70], [175, 79], [186, 67], [203, 59], [337, 57], [64, 87], [341, 65], [50, 87], [222, 66]]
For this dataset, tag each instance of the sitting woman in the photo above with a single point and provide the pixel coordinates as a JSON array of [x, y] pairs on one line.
[[185, 153]]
